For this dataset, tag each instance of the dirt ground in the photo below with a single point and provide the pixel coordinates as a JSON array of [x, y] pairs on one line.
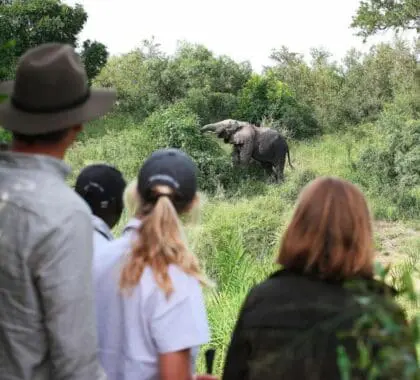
[[392, 239]]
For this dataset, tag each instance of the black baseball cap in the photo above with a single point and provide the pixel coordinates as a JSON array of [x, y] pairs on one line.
[[99, 185], [171, 167]]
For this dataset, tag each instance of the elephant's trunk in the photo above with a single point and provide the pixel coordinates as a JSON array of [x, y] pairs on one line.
[[208, 128]]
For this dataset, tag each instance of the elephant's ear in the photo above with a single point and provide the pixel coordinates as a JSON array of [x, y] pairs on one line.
[[243, 136]]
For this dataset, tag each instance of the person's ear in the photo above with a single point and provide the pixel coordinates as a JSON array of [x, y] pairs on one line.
[[72, 133], [77, 128]]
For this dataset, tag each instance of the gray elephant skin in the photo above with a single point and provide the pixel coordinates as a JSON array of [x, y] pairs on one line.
[[264, 145]]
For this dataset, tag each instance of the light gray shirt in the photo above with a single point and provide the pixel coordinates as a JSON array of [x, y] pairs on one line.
[[47, 320]]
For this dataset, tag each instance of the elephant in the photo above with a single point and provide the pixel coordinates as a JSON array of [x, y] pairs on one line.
[[263, 144]]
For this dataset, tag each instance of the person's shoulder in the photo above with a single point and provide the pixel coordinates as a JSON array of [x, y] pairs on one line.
[[284, 284], [42, 194], [258, 292], [100, 242], [132, 225], [184, 285], [71, 201], [374, 290], [107, 256], [115, 247], [275, 281], [121, 243], [181, 278], [57, 200]]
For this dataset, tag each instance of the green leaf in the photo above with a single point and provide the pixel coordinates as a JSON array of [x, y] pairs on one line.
[[343, 363]]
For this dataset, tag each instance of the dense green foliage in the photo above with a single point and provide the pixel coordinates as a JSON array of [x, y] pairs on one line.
[[353, 92], [367, 95], [380, 329], [29, 23], [147, 79], [265, 97], [377, 15], [238, 233], [357, 119], [94, 56]]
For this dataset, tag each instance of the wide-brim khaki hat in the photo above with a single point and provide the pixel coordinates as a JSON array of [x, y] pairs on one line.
[[51, 92]]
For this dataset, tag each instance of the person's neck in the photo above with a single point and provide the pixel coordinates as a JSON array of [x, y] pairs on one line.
[[55, 151]]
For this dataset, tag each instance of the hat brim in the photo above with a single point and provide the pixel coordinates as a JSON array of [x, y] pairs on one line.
[[98, 104]]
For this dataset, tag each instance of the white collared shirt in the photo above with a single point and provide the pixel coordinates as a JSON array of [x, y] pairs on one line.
[[134, 329], [102, 234], [132, 225]]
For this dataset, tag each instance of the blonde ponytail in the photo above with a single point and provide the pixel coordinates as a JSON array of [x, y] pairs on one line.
[[160, 242]]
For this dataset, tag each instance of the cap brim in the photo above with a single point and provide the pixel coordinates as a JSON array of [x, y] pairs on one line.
[[99, 103]]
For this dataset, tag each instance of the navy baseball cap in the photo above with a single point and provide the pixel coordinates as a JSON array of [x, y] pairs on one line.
[[101, 184], [171, 167]]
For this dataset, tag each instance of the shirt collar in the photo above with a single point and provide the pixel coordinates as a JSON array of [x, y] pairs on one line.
[[17, 160], [101, 226], [131, 225]]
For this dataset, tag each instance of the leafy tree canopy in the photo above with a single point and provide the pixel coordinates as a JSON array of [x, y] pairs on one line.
[[95, 56], [378, 15], [29, 23]]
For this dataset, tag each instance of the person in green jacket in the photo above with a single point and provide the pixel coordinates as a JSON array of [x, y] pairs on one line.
[[290, 325]]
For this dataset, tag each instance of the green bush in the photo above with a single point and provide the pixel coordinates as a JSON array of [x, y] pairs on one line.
[[147, 79], [381, 329], [123, 143], [395, 161], [390, 162], [294, 186], [135, 79], [211, 106], [5, 135], [265, 97], [178, 127], [297, 118]]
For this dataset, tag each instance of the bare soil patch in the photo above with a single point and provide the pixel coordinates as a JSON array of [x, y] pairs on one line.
[[391, 240]]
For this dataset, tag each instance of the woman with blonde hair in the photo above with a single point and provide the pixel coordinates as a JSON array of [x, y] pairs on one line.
[[288, 326], [150, 309]]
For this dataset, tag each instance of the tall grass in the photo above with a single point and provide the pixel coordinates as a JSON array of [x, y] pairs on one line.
[[237, 238]]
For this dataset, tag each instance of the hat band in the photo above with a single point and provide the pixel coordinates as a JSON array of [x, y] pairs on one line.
[[164, 178], [20, 106]]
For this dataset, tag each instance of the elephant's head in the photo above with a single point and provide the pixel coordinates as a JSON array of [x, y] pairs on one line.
[[224, 129]]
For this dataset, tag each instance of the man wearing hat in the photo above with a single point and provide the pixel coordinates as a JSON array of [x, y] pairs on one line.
[[102, 187], [47, 321]]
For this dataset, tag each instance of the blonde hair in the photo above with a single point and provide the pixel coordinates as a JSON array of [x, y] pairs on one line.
[[161, 242], [330, 233], [131, 199]]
